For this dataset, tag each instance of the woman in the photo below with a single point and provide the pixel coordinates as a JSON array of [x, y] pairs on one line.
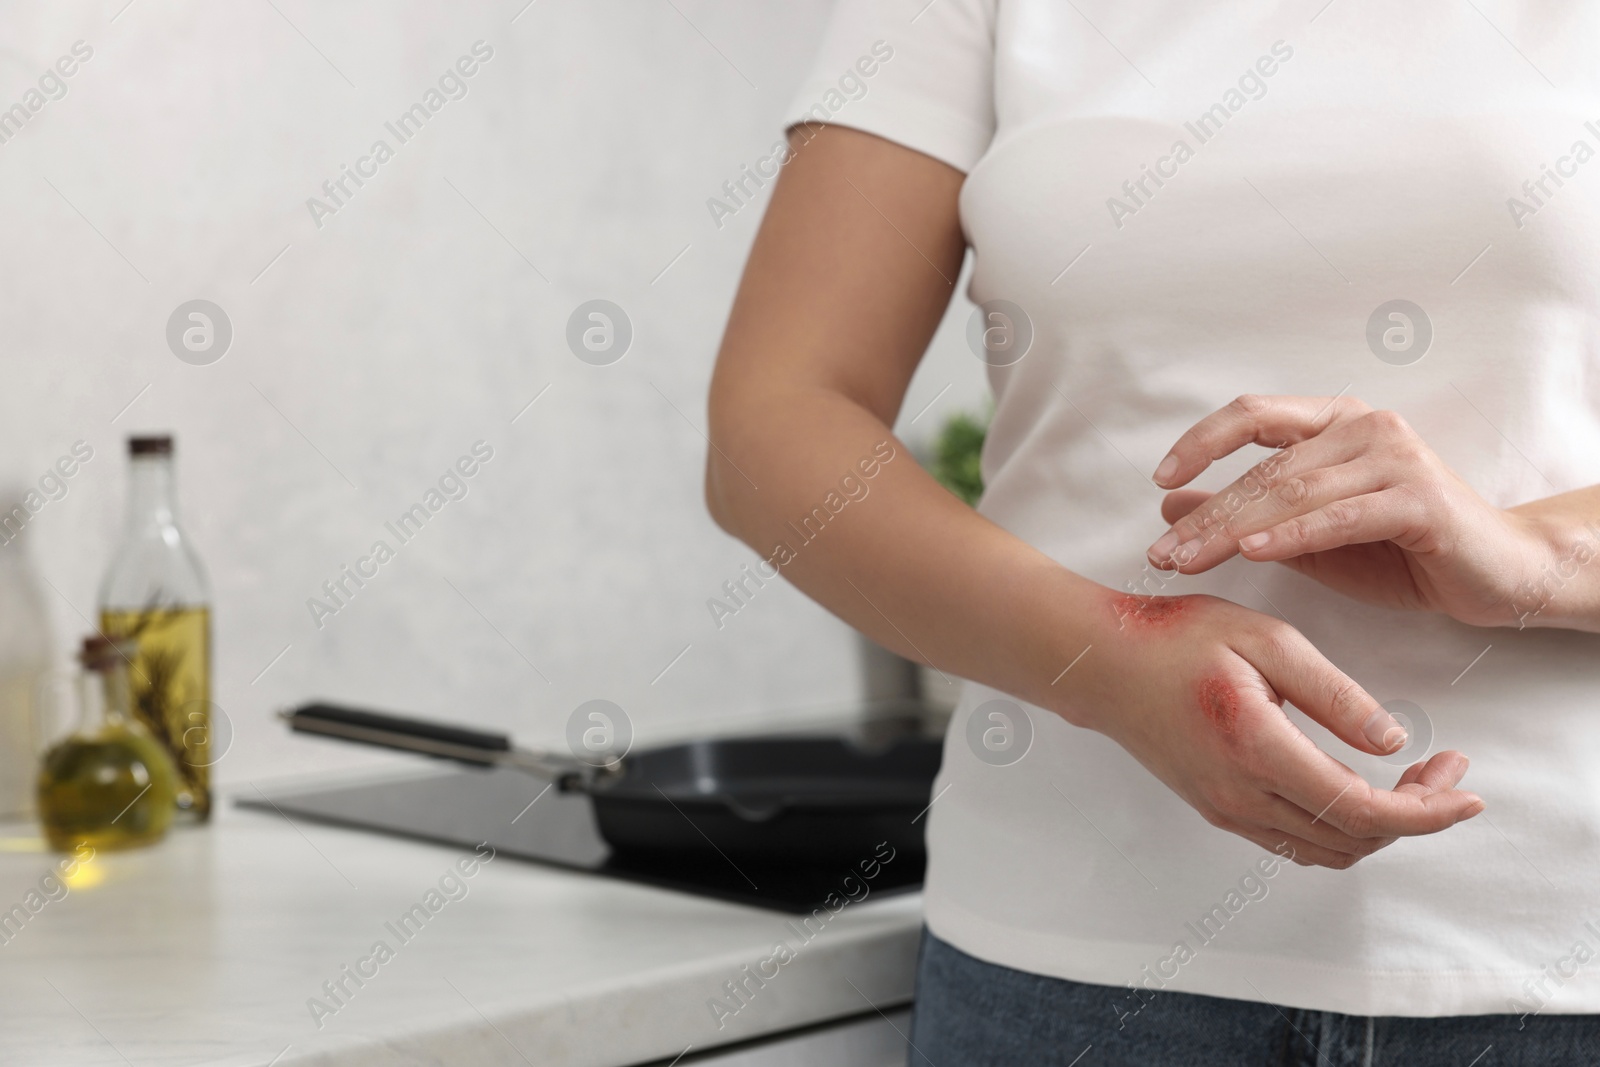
[[1356, 235]]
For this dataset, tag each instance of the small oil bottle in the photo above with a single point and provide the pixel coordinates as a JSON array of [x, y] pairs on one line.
[[155, 592], [110, 784]]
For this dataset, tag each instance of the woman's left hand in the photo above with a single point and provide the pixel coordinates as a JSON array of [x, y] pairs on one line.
[[1355, 500]]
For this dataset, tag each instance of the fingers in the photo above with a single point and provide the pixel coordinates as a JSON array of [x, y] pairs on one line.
[[1389, 515], [1293, 819], [1346, 475], [1301, 675], [1295, 835], [1295, 769], [1403, 814], [1441, 771], [1344, 800], [1276, 503], [1288, 514], [1285, 483], [1299, 850], [1180, 502], [1273, 421], [1413, 775]]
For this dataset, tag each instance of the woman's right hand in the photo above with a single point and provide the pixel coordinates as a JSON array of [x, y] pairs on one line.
[[1192, 687]]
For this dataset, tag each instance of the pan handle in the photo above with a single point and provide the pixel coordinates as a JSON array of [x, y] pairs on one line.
[[445, 741], [395, 731]]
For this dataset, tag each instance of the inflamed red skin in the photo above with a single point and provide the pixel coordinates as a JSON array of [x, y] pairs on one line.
[[1219, 702], [1149, 612], [1215, 696]]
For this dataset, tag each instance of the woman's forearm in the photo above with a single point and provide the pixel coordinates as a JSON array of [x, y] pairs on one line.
[[850, 275], [1564, 591], [819, 487]]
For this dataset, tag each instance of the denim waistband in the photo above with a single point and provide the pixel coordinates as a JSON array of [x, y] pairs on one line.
[[969, 1013]]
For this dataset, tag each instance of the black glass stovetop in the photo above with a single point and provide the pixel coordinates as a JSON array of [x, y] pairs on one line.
[[522, 815]]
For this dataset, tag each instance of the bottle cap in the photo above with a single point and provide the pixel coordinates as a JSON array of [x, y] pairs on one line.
[[153, 445], [100, 651]]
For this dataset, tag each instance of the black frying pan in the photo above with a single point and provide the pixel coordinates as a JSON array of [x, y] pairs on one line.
[[788, 799]]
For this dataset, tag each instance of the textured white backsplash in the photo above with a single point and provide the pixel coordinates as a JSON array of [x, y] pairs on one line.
[[369, 354]]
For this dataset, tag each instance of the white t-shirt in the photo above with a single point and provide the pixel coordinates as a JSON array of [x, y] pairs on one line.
[[1310, 166]]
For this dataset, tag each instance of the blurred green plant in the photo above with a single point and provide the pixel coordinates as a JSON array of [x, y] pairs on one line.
[[956, 455]]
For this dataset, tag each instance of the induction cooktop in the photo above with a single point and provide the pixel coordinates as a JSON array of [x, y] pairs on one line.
[[523, 815]]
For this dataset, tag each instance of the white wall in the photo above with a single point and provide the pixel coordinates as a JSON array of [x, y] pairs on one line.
[[402, 331]]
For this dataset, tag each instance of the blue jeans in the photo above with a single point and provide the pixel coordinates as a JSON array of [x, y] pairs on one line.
[[969, 1013]]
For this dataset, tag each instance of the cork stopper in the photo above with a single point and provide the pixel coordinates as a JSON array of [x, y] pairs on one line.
[[152, 445], [100, 652]]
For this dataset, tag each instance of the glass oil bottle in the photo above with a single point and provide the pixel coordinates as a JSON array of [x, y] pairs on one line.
[[109, 784], [155, 593]]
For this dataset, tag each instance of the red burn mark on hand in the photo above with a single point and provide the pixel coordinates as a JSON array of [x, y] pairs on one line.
[[1219, 702], [1149, 610]]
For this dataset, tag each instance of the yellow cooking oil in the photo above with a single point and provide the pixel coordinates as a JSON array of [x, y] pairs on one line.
[[170, 681], [109, 784], [110, 788]]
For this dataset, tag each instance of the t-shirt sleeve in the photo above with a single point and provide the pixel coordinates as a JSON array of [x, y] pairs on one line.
[[917, 72]]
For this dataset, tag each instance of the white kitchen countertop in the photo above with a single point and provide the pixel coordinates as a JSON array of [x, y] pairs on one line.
[[205, 949]]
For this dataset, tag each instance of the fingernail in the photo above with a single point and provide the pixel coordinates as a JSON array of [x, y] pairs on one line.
[[1186, 552], [1161, 551], [1384, 732], [1255, 541], [1475, 807], [1168, 468]]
